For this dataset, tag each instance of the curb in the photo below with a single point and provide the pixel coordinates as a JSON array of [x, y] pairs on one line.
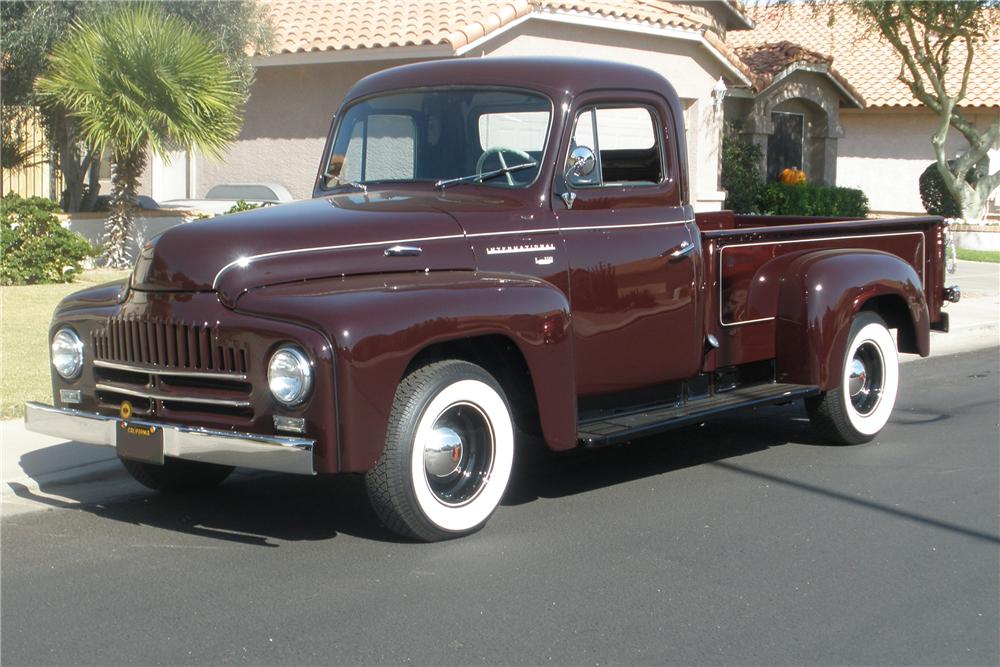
[[89, 483]]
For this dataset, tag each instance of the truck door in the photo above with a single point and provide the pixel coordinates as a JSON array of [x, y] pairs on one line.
[[633, 249]]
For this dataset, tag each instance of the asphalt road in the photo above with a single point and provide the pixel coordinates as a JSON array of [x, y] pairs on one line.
[[744, 541]]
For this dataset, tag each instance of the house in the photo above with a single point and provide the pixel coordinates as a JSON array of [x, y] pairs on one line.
[[812, 92], [322, 48], [882, 138]]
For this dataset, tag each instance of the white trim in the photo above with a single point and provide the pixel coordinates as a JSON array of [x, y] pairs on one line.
[[447, 51], [691, 35], [354, 55], [476, 43], [923, 262]]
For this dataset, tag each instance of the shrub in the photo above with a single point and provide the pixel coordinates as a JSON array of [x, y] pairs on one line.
[[241, 206], [35, 247], [934, 195], [740, 176], [809, 199]]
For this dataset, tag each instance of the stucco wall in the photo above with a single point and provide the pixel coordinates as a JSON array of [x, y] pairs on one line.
[[285, 125], [883, 152], [686, 64], [288, 114]]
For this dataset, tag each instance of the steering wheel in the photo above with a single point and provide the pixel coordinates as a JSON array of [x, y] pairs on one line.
[[499, 151]]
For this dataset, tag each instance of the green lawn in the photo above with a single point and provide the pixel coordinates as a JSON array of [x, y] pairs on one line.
[[980, 255], [25, 314]]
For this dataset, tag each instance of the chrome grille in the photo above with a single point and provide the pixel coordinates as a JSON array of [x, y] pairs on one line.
[[163, 367], [166, 344]]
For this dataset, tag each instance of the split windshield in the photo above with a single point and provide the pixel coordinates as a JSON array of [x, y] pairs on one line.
[[480, 136]]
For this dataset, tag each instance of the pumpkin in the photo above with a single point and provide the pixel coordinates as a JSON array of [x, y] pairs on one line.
[[792, 176]]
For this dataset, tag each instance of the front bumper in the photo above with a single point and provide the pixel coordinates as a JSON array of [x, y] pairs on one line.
[[248, 450]]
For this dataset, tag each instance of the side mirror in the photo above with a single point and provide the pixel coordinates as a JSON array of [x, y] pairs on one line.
[[580, 163]]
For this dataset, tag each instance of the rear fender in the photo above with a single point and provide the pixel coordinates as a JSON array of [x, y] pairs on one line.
[[380, 323], [820, 294]]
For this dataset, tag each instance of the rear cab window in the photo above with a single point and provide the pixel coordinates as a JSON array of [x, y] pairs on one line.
[[626, 143]]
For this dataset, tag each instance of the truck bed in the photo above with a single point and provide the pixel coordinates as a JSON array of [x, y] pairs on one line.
[[745, 256]]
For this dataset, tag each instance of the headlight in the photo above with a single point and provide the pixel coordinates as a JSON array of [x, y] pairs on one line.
[[67, 353], [289, 376]]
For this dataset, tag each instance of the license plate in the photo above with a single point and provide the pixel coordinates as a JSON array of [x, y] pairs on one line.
[[140, 442]]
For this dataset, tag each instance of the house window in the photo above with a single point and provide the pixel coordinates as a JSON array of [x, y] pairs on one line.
[[784, 145], [626, 143], [382, 147]]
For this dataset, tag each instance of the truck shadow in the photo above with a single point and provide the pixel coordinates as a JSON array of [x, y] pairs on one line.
[[541, 474], [262, 509]]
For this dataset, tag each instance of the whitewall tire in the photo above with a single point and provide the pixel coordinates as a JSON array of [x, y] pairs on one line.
[[860, 407], [448, 453]]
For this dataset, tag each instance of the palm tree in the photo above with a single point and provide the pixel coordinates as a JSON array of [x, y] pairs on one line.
[[138, 78]]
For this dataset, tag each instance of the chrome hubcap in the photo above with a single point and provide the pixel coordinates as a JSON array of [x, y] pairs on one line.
[[459, 454], [443, 452], [865, 378], [858, 377]]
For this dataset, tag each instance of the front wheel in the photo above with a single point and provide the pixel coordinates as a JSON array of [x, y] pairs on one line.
[[448, 454], [859, 408]]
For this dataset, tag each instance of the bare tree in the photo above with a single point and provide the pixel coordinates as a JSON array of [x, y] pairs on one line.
[[937, 43]]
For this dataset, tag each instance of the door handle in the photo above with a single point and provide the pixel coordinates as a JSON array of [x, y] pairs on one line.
[[685, 248], [402, 251]]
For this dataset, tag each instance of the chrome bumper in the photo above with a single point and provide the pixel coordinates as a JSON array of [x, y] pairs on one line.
[[248, 450]]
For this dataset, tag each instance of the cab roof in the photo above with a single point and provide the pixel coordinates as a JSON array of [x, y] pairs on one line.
[[559, 77]]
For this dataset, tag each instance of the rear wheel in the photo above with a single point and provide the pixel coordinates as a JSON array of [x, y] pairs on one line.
[[448, 453], [177, 474], [860, 407]]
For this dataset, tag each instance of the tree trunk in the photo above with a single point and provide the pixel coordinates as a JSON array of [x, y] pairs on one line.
[[69, 165], [126, 168], [94, 182]]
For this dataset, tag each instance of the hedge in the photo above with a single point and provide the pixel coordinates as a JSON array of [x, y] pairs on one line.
[[810, 199]]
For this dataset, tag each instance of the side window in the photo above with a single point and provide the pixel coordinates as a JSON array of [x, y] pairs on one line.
[[381, 148], [626, 143]]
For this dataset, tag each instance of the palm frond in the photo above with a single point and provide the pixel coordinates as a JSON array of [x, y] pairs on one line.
[[138, 77]]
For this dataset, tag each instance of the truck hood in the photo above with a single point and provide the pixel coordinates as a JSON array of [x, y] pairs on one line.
[[341, 235]]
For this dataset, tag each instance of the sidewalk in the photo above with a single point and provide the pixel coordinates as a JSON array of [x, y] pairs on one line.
[[40, 472]]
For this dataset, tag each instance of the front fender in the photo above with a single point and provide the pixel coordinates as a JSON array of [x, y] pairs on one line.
[[379, 323], [820, 294]]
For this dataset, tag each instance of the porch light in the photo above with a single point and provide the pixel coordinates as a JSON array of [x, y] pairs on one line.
[[718, 94]]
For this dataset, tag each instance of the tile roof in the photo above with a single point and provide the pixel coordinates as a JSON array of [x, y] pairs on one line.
[[864, 58], [660, 13], [767, 61], [304, 26]]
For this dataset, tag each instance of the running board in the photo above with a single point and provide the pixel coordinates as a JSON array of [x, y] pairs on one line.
[[656, 419]]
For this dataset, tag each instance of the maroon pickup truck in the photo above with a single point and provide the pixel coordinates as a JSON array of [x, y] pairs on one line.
[[496, 248]]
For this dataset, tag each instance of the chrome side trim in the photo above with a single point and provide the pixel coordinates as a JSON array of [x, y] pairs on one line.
[[244, 262], [923, 263], [209, 375], [403, 251], [248, 450], [515, 249], [160, 396]]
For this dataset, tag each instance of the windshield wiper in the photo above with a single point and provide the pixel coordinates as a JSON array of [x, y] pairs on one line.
[[486, 175]]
